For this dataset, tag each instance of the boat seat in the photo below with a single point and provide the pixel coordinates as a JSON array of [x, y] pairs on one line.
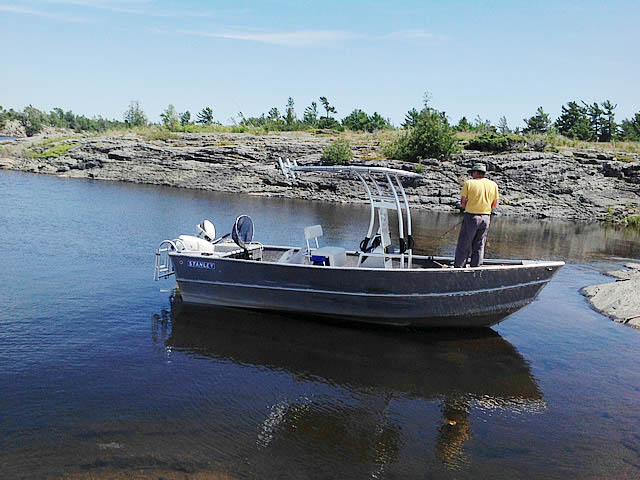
[[330, 256], [293, 257], [312, 233], [287, 256], [333, 256], [189, 243]]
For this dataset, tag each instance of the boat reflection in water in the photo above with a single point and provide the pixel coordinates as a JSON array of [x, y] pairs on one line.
[[461, 370]]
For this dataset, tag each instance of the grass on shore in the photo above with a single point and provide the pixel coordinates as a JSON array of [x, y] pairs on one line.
[[54, 151], [623, 151], [633, 221], [613, 146], [628, 218], [561, 142]]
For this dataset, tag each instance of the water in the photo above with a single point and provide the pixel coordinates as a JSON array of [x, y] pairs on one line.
[[102, 376], [2, 137]]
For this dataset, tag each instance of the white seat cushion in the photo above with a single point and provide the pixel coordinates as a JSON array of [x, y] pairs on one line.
[[337, 255]]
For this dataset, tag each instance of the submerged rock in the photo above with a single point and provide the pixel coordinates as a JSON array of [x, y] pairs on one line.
[[619, 300]]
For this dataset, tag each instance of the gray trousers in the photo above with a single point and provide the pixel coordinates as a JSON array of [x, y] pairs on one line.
[[471, 240]]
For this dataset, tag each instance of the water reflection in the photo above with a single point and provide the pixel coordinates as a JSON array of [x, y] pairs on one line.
[[380, 370]]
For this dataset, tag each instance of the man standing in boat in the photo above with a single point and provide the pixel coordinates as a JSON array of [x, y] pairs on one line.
[[479, 198]]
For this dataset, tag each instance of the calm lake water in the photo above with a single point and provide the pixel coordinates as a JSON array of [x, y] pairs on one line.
[[100, 374]]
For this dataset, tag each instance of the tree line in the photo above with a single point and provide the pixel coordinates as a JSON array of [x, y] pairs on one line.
[[579, 120], [592, 122], [34, 120], [274, 120]]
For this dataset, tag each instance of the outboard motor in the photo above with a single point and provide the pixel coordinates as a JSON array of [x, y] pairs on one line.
[[206, 230]]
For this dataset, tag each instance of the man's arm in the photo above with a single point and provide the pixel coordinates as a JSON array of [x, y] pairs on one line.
[[494, 204], [463, 194]]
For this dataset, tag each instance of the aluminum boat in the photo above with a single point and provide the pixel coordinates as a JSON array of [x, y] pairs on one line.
[[378, 283]]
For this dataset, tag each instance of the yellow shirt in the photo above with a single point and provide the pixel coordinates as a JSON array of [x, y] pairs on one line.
[[480, 194]]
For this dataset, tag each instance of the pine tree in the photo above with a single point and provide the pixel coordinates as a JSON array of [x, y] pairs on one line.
[[411, 118], [377, 122], [311, 115], [630, 129], [581, 129], [327, 106], [594, 113], [185, 118], [133, 117], [357, 121], [274, 114], [290, 117], [503, 127], [572, 120], [480, 125], [539, 123], [464, 125], [609, 127], [205, 116]]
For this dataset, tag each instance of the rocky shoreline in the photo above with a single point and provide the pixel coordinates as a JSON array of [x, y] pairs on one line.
[[618, 300], [583, 185]]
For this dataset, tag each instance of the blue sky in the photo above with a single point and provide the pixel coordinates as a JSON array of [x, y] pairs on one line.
[[489, 58]]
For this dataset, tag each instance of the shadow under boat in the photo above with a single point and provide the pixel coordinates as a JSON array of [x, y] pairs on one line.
[[476, 364], [460, 369]]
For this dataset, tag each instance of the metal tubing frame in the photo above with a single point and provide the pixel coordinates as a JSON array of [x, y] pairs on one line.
[[377, 202], [400, 216], [408, 210], [373, 209]]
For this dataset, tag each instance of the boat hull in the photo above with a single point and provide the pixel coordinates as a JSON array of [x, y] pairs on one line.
[[472, 297]]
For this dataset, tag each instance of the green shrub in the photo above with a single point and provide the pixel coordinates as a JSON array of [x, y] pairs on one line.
[[159, 134], [337, 152], [359, 121], [537, 143], [48, 141], [330, 124], [633, 221], [431, 136], [496, 142], [52, 152], [624, 158]]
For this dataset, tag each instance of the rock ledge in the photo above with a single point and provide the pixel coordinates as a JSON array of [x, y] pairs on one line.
[[619, 300]]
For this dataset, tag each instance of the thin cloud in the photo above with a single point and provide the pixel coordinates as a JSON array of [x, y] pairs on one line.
[[39, 13], [411, 35], [111, 6], [132, 8], [292, 39]]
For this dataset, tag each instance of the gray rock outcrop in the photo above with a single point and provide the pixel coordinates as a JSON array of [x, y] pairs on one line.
[[13, 128], [580, 185], [619, 300]]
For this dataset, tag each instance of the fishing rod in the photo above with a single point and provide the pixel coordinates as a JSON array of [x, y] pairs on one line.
[[450, 230], [442, 265]]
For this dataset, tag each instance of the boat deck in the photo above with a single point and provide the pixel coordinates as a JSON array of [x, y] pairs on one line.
[[274, 254]]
